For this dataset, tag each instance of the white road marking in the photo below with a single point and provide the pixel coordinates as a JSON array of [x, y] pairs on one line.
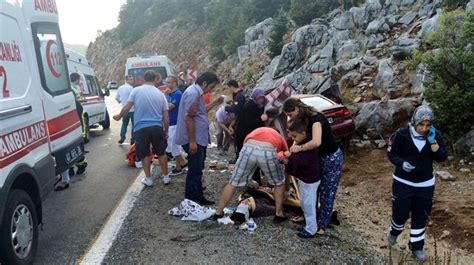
[[110, 230]]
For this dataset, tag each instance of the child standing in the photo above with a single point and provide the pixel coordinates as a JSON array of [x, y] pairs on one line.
[[304, 165]]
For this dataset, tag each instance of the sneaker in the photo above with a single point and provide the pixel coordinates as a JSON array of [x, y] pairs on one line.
[[147, 181], [392, 240], [166, 179], [176, 171], [419, 255], [138, 164], [121, 140], [305, 234], [80, 170]]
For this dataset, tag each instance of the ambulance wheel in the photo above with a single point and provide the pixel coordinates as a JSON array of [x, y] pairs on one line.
[[86, 132], [19, 232], [106, 123]]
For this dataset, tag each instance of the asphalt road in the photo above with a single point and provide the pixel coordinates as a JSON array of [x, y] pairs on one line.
[[74, 216]]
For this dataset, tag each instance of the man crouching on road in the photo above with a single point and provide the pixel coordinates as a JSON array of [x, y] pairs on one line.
[[263, 148], [151, 123]]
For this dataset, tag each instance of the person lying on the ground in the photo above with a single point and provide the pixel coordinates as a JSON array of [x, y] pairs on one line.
[[260, 151]]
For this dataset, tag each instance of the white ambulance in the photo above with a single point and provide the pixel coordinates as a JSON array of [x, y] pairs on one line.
[[92, 97], [40, 132], [137, 66]]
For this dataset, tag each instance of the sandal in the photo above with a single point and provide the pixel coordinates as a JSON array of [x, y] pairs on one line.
[[297, 219], [279, 219], [61, 186], [321, 232], [56, 181]]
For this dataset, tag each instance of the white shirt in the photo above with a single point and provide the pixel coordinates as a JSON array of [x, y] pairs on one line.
[[123, 93]]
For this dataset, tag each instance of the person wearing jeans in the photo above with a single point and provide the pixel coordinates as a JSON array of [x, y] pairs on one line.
[[123, 93], [192, 132]]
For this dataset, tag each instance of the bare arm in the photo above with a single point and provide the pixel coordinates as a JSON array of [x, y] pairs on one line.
[[125, 109], [166, 121], [315, 140], [214, 103]]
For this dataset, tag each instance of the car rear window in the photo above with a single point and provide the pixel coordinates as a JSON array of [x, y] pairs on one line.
[[316, 102]]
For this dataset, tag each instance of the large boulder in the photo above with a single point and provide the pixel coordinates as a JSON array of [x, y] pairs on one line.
[[389, 80], [243, 52], [321, 60], [287, 61], [259, 31], [465, 145], [266, 81], [373, 9], [348, 50], [385, 116], [407, 19], [418, 78], [304, 82], [358, 16], [373, 40], [403, 47], [309, 35], [470, 6], [377, 26], [343, 22], [257, 46], [429, 25]]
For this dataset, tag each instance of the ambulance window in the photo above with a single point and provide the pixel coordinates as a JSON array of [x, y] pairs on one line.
[[51, 59], [15, 77], [91, 85]]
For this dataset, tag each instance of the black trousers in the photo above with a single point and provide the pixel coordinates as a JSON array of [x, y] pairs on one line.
[[414, 202]]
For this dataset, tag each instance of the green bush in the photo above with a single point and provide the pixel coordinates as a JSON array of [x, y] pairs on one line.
[[303, 11], [249, 76], [450, 86], [415, 59], [275, 43]]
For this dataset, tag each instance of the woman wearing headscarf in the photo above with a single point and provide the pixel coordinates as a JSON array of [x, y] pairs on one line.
[[412, 150], [250, 117], [331, 157], [249, 120]]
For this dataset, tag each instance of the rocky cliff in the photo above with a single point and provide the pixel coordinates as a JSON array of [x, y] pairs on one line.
[[185, 45], [361, 52]]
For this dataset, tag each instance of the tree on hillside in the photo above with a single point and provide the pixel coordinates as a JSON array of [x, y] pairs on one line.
[[275, 43], [303, 11], [450, 86]]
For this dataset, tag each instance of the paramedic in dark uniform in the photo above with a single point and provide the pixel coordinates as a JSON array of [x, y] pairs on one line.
[[412, 150]]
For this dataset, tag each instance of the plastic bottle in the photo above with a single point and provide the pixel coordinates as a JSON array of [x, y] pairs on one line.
[[251, 225]]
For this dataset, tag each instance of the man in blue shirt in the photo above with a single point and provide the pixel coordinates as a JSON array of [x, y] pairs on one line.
[[192, 132], [174, 98], [151, 123]]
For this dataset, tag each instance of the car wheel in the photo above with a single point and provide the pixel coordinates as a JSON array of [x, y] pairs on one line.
[[86, 130], [106, 123], [19, 232]]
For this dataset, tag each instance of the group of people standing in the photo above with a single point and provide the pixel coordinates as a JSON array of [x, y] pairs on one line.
[[312, 156]]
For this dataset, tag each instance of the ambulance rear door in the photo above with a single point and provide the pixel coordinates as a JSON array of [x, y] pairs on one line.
[[23, 135], [59, 104]]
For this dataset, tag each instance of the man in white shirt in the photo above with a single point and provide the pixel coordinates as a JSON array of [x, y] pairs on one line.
[[123, 93]]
